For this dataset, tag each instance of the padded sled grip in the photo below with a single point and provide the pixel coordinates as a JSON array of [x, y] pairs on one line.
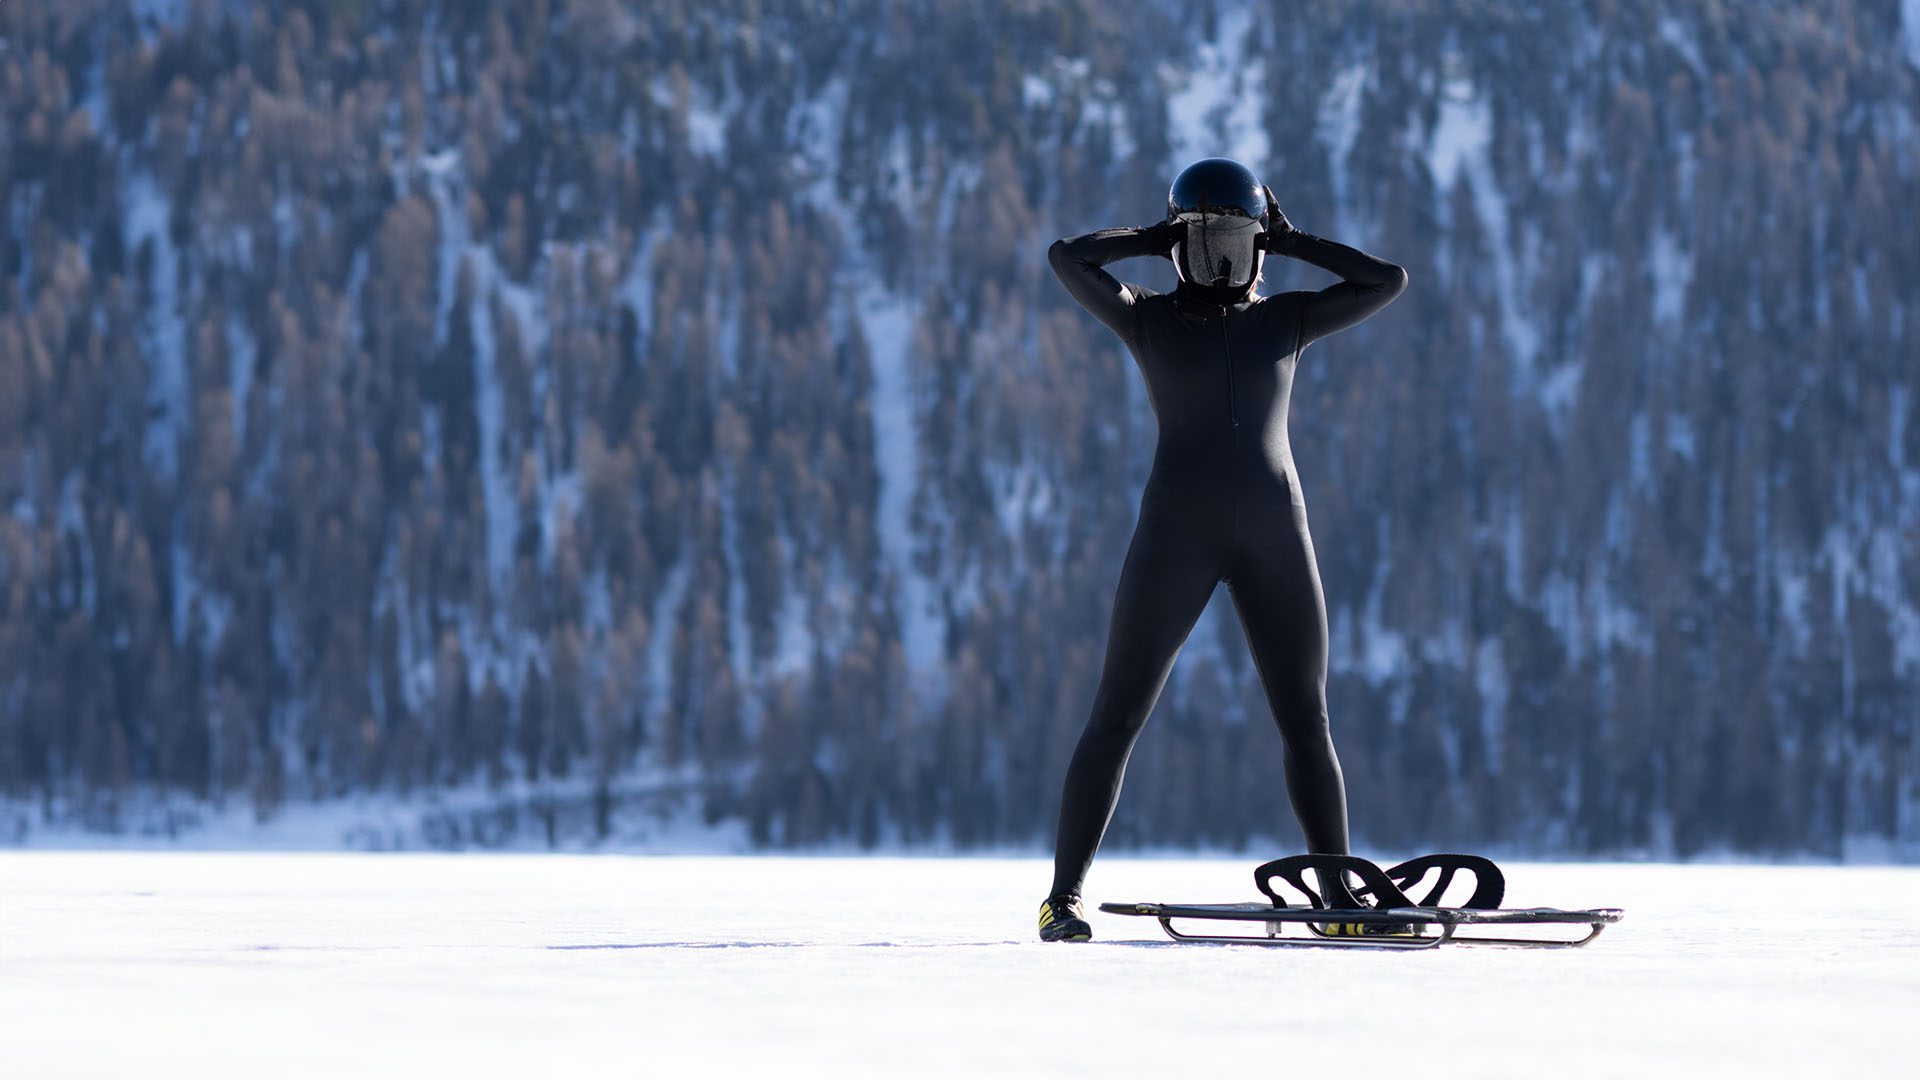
[[1489, 884], [1292, 869]]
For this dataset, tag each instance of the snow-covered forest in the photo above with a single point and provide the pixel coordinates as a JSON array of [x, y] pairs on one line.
[[580, 419]]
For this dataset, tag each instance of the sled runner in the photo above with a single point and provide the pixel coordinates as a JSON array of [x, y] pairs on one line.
[[1394, 921]]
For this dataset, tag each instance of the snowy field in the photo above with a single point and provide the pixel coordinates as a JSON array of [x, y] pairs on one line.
[[205, 964]]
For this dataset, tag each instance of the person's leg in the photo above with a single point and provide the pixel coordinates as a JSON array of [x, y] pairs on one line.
[[1275, 585], [1164, 585]]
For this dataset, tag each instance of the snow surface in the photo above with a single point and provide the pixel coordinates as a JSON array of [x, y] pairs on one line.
[[146, 213], [160, 12], [666, 614], [242, 355], [1672, 268], [1490, 679], [1910, 29], [1338, 129], [447, 183], [887, 319], [1677, 34], [1218, 107], [118, 963], [1462, 142], [706, 119]]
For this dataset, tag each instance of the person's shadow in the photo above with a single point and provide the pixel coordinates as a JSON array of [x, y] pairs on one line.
[[611, 946]]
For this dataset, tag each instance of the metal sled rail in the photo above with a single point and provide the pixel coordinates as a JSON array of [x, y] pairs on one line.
[[1443, 922]]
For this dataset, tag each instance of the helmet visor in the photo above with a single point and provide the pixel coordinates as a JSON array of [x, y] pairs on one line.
[[1219, 249]]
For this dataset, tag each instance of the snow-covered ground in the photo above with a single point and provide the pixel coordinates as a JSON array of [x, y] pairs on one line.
[[222, 964]]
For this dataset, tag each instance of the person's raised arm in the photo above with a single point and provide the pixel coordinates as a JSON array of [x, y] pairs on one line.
[[1368, 284], [1077, 261]]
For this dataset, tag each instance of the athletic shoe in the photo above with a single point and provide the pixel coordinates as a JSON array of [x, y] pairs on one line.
[[1062, 919]]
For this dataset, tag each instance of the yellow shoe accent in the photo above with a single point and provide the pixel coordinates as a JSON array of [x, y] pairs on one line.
[[1354, 929]]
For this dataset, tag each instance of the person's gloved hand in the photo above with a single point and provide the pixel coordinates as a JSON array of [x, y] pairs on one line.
[[1280, 232], [1166, 234]]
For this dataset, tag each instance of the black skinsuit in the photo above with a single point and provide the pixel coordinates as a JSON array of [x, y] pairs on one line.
[[1222, 503]]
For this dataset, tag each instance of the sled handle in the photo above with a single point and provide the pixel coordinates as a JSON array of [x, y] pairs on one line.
[[1489, 884], [1292, 869]]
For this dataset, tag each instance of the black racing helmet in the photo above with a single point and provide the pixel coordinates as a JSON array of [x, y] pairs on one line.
[[1225, 211]]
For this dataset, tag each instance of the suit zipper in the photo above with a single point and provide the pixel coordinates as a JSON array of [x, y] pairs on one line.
[[1233, 408], [1233, 413]]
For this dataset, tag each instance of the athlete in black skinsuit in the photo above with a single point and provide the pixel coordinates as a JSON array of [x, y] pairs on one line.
[[1222, 503]]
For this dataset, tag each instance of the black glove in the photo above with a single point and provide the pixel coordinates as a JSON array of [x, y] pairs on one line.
[[1166, 234], [1280, 232]]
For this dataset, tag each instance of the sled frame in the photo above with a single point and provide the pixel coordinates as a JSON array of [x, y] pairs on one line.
[[1445, 922], [1434, 923]]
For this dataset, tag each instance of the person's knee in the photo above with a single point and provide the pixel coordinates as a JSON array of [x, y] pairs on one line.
[[1116, 716], [1117, 726], [1304, 724]]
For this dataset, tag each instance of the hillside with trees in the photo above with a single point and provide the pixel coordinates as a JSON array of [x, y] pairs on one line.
[[578, 419]]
